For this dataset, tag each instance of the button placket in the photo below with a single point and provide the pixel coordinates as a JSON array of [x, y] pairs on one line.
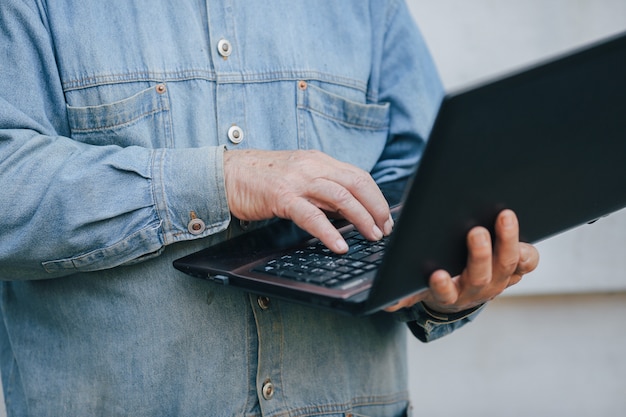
[[230, 97], [230, 92], [267, 390], [269, 326]]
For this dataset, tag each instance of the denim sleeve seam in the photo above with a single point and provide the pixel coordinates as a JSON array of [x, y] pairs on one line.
[[126, 250]]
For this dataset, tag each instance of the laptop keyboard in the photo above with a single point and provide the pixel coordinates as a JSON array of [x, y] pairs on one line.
[[316, 264]]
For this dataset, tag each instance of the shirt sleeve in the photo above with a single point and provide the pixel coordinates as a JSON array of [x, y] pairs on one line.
[[69, 206], [406, 77]]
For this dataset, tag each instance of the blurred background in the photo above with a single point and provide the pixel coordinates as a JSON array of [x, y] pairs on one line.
[[554, 345]]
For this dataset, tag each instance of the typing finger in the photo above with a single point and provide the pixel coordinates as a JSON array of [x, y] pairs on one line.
[[313, 220], [332, 197]]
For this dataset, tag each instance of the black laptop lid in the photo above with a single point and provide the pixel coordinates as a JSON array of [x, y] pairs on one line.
[[549, 143]]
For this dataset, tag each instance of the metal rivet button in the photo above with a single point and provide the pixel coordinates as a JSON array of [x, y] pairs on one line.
[[160, 88], [235, 134], [224, 48], [264, 302], [268, 390], [302, 85], [196, 226]]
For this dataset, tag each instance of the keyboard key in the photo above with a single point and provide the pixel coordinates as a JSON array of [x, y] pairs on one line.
[[318, 265]]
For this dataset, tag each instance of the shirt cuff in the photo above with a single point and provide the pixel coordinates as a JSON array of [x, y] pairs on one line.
[[428, 325], [190, 192]]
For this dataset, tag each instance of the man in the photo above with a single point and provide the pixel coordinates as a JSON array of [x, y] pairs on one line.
[[134, 132]]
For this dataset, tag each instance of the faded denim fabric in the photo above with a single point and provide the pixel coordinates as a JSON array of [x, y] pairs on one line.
[[114, 116]]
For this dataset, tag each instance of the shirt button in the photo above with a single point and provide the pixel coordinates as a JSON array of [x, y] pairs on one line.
[[267, 390], [224, 48], [264, 302], [235, 134], [196, 226]]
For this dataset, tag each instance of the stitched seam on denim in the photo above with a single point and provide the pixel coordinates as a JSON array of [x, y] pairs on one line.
[[168, 122], [159, 156], [290, 75], [371, 127], [250, 354], [393, 10], [279, 313], [374, 94], [311, 411], [220, 78], [81, 262], [118, 125]]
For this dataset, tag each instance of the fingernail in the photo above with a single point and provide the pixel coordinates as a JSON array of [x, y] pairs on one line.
[[507, 219], [377, 233], [481, 238], [341, 245]]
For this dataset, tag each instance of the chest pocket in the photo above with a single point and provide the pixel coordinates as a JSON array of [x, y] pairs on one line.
[[347, 130], [143, 120]]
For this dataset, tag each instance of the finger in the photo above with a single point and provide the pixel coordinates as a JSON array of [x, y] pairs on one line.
[[443, 291], [331, 196], [362, 186], [529, 259], [405, 303], [355, 188], [477, 273], [506, 248], [314, 221]]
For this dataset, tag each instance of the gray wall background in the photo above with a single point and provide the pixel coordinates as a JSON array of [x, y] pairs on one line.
[[554, 345]]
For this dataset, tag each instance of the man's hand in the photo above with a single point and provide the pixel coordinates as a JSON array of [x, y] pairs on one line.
[[490, 269], [304, 186]]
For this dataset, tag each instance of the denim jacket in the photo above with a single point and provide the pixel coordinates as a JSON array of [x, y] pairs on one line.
[[114, 116]]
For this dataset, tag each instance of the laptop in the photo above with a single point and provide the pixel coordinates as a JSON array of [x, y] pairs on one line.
[[548, 142]]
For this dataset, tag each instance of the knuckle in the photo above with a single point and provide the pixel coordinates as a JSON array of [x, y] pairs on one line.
[[508, 264], [361, 179], [444, 298], [508, 260], [446, 302], [481, 254], [342, 197], [285, 203], [312, 218], [480, 281]]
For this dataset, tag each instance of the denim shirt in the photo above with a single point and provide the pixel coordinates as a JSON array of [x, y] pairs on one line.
[[114, 116]]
